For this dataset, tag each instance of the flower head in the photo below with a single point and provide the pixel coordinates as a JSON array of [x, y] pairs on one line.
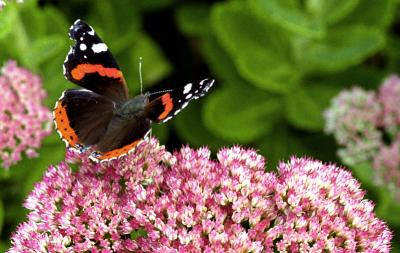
[[386, 164], [366, 125], [155, 201], [389, 97], [24, 121], [353, 118]]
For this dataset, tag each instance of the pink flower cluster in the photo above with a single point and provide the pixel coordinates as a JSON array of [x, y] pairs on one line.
[[24, 121], [367, 126], [155, 201], [353, 118]]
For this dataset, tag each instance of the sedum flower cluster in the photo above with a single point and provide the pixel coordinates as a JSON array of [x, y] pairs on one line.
[[24, 120], [366, 125], [155, 201]]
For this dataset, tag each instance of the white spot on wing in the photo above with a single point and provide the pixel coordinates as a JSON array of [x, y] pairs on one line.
[[69, 53], [82, 47], [187, 88], [176, 112], [100, 47], [165, 120], [91, 32], [188, 96]]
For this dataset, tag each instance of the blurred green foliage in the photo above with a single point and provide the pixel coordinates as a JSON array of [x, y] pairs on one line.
[[277, 64]]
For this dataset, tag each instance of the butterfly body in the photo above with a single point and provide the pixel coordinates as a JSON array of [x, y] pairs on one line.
[[101, 115], [133, 107]]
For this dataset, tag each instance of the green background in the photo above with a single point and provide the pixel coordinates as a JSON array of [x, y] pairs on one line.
[[277, 64]]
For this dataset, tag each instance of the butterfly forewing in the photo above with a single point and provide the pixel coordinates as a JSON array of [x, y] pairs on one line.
[[168, 105], [91, 65]]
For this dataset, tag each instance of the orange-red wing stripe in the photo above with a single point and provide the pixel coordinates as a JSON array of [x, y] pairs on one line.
[[168, 105], [119, 151], [79, 72], [63, 126]]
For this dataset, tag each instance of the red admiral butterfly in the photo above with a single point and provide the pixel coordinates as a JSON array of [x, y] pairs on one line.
[[101, 114]]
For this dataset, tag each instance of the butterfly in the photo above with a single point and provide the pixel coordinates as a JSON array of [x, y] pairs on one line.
[[100, 114]]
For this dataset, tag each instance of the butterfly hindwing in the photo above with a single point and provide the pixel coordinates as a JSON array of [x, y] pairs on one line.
[[168, 105], [121, 137], [82, 116], [91, 65]]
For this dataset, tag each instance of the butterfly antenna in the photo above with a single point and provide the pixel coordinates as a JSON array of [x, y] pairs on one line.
[[161, 91], [140, 75]]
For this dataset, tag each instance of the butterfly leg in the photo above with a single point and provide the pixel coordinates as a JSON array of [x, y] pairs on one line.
[[81, 149], [147, 138]]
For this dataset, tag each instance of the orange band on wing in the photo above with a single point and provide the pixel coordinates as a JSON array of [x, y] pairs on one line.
[[81, 70], [118, 152], [63, 125], [168, 105]]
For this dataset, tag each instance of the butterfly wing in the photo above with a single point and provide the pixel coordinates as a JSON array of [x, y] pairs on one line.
[[91, 65], [122, 136], [82, 116], [164, 107]]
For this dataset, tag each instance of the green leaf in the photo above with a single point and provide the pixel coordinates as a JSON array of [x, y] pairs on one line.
[[33, 21], [343, 47], [387, 206], [30, 170], [45, 48], [241, 114], [289, 14], [392, 53], [193, 19], [305, 106], [160, 131], [376, 13], [56, 21], [261, 53], [53, 79], [138, 233], [114, 20], [4, 246], [366, 76], [21, 41], [7, 19], [220, 61], [190, 127], [331, 11], [302, 111], [363, 172], [280, 145]]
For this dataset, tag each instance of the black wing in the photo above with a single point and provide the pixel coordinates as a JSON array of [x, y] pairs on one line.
[[91, 65], [82, 116], [164, 107]]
